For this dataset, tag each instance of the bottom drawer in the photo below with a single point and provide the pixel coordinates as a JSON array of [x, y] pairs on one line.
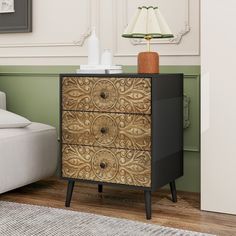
[[118, 166]]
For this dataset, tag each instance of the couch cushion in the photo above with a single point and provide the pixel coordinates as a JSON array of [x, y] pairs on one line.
[[27, 155], [32, 128], [12, 120]]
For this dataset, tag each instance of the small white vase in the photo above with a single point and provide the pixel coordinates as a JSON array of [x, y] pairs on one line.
[[93, 49], [106, 58]]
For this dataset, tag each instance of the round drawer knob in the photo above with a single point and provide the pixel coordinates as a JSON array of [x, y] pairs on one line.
[[103, 165], [104, 130], [104, 95]]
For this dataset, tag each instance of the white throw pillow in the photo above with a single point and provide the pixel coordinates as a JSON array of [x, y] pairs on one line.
[[12, 120]]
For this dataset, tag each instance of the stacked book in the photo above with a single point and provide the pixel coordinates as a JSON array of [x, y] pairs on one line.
[[99, 69]]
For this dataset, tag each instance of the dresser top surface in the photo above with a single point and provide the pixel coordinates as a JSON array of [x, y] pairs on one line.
[[128, 75]]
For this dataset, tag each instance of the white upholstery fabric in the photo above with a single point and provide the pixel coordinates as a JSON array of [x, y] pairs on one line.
[[12, 120], [27, 155], [2, 100]]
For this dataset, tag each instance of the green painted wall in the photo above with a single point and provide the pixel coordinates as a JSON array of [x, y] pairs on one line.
[[33, 92]]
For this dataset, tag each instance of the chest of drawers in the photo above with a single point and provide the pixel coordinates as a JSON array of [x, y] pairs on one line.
[[125, 130]]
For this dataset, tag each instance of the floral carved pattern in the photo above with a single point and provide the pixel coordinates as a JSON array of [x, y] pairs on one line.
[[130, 167], [104, 95], [108, 125], [105, 164], [126, 95], [107, 129]]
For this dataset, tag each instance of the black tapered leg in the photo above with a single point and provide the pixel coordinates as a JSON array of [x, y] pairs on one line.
[[100, 188], [148, 204], [173, 191], [70, 188]]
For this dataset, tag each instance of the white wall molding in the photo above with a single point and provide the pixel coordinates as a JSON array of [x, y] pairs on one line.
[[176, 46], [77, 42], [42, 56], [63, 34]]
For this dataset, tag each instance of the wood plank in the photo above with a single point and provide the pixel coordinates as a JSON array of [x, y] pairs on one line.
[[128, 204]]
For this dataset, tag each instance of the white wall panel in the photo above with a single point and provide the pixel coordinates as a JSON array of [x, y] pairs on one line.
[[60, 30], [218, 106]]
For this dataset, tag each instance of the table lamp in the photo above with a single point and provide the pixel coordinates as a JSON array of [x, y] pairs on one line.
[[148, 23]]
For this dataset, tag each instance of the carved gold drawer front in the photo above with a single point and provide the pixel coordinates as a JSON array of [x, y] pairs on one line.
[[125, 95], [107, 129], [118, 166]]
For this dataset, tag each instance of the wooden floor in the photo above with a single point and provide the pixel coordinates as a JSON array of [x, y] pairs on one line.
[[127, 204]]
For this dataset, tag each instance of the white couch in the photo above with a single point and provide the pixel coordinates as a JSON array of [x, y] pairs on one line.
[[26, 154]]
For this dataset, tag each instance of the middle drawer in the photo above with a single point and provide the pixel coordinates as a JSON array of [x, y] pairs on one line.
[[107, 129]]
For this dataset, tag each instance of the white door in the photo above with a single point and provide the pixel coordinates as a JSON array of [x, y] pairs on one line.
[[218, 106]]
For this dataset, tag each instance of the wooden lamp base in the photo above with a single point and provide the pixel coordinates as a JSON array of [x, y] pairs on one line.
[[148, 62]]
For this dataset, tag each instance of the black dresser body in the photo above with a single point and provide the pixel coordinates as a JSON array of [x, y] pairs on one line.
[[155, 107]]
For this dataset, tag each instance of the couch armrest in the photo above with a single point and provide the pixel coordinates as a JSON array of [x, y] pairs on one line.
[[2, 100]]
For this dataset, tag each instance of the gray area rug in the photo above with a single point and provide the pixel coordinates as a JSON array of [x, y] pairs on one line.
[[27, 220]]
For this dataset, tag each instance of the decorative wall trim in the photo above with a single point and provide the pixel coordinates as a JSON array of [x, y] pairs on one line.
[[187, 100], [42, 56], [76, 42], [137, 42], [193, 147], [177, 39], [73, 49], [187, 149]]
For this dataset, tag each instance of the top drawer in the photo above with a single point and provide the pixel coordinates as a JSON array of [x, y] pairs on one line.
[[126, 95]]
